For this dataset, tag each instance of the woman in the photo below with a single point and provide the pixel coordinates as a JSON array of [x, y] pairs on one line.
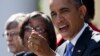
[[38, 25]]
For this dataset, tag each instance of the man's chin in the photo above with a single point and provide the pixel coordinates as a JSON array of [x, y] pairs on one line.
[[65, 36], [12, 50]]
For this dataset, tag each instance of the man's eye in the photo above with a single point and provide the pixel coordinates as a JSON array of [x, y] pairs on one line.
[[64, 10], [53, 14], [15, 33]]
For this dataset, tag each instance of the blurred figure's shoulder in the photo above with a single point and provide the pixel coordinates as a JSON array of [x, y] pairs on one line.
[[96, 36]]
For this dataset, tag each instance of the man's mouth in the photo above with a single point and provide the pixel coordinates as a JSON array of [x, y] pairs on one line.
[[63, 28], [10, 45]]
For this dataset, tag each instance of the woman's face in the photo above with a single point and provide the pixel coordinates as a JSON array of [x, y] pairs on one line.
[[39, 25]]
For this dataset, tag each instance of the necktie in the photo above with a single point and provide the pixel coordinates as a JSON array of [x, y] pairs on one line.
[[68, 49]]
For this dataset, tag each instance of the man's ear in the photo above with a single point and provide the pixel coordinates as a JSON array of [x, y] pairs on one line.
[[83, 11]]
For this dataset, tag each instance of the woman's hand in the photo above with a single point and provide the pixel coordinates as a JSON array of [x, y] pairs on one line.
[[39, 45]]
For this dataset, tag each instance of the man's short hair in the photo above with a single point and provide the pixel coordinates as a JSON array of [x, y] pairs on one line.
[[78, 3], [14, 21]]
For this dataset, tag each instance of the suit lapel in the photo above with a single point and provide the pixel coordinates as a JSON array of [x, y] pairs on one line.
[[82, 42]]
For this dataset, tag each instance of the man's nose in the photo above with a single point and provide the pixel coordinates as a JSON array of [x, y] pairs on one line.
[[9, 38], [59, 18]]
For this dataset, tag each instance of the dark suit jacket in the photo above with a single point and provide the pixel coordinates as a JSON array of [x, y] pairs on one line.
[[87, 45]]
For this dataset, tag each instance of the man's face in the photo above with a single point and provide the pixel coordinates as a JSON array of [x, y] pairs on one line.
[[13, 40], [66, 17]]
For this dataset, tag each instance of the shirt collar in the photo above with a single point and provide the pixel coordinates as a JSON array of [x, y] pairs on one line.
[[74, 40], [20, 52]]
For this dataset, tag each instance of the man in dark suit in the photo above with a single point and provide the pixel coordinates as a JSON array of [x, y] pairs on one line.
[[89, 17], [68, 17]]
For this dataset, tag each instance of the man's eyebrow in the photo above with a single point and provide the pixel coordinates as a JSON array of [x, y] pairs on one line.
[[64, 9]]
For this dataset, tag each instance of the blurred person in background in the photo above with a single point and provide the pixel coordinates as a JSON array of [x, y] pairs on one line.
[[38, 25], [12, 34], [89, 17]]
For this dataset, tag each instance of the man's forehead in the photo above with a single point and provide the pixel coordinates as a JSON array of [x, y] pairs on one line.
[[53, 1], [13, 29], [59, 1]]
